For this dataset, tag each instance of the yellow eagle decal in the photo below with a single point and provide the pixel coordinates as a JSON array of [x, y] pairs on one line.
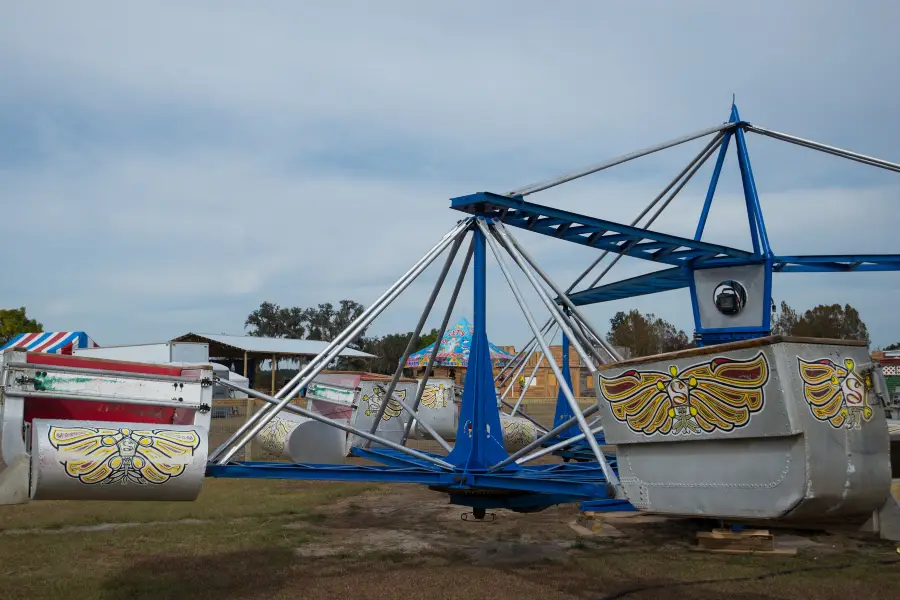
[[377, 398], [836, 393], [99, 455], [717, 395]]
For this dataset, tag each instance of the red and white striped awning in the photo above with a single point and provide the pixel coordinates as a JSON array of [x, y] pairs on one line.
[[53, 342]]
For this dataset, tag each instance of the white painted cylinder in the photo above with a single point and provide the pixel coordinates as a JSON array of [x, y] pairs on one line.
[[300, 439], [93, 460]]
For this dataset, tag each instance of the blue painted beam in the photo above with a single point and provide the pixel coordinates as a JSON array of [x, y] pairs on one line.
[[582, 480], [600, 234], [651, 283], [837, 263]]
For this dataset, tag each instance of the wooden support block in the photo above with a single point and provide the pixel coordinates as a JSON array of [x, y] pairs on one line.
[[759, 540]]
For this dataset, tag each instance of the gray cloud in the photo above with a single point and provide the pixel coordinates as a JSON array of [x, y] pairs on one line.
[[166, 169]]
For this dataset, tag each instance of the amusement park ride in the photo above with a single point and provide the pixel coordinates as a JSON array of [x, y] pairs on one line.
[[747, 426]]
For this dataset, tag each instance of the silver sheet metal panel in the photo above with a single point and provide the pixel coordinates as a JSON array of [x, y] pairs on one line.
[[779, 428], [301, 439], [438, 409], [94, 460], [369, 399]]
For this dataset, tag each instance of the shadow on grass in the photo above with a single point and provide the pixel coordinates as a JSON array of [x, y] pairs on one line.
[[221, 576]]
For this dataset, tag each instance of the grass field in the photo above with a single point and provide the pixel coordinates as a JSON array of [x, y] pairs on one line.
[[272, 539]]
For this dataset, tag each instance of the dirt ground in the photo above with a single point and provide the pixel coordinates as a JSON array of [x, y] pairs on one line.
[[268, 539]]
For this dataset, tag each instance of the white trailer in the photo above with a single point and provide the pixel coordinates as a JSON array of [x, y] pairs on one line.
[[159, 353]]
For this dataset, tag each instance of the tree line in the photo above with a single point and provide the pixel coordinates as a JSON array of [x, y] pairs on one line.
[[641, 334]]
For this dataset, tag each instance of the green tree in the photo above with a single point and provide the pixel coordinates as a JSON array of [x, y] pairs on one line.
[[785, 320], [427, 339], [645, 335], [323, 322], [270, 320], [14, 321], [389, 350], [830, 321], [894, 346]]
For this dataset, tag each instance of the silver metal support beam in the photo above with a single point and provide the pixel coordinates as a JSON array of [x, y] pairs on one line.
[[107, 373], [603, 255], [537, 366], [538, 187], [557, 446], [451, 256], [862, 158], [514, 248], [412, 416], [526, 349], [691, 170], [429, 368], [512, 380], [338, 424], [561, 318], [253, 426], [567, 392], [353, 330], [544, 438], [526, 416], [98, 398]]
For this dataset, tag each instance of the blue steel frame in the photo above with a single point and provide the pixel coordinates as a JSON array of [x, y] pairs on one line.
[[478, 446], [479, 438], [684, 256]]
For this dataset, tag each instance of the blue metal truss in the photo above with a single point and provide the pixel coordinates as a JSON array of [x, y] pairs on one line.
[[526, 488], [602, 235], [479, 441], [836, 263], [684, 255], [676, 278], [651, 283], [479, 446]]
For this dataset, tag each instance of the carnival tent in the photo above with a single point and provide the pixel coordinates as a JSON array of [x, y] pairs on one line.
[[454, 349], [52, 342]]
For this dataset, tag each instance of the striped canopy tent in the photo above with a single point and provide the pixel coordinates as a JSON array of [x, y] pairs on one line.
[[53, 342], [454, 349]]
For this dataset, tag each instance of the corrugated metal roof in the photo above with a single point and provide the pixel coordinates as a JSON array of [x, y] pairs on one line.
[[266, 345]]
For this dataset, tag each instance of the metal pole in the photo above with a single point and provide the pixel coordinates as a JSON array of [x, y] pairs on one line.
[[713, 183], [869, 160], [709, 153], [526, 416], [415, 336], [525, 388], [429, 368], [250, 431], [350, 332], [561, 318], [434, 434], [338, 424], [603, 255], [557, 446], [513, 379], [538, 187], [547, 436], [576, 410], [526, 349], [513, 247]]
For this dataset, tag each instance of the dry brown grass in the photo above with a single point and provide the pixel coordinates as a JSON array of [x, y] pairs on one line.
[[278, 539]]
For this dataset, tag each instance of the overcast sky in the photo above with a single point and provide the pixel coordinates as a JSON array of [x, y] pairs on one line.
[[165, 167]]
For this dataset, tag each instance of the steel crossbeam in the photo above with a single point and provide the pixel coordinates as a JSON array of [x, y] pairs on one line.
[[601, 234]]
